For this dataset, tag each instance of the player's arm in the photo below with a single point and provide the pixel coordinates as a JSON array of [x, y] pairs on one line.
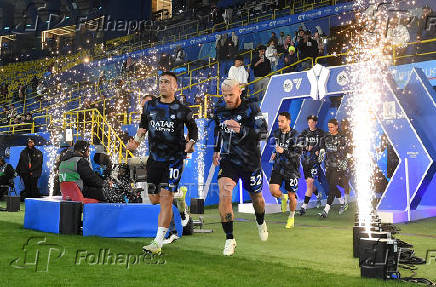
[[141, 132], [273, 143], [191, 125], [217, 140], [322, 148], [316, 148], [259, 131], [296, 148]]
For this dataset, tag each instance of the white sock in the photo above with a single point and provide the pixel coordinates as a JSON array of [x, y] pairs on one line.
[[341, 200], [304, 205], [161, 231], [327, 208], [291, 214], [347, 198]]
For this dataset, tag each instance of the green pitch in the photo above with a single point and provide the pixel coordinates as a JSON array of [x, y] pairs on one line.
[[314, 253]]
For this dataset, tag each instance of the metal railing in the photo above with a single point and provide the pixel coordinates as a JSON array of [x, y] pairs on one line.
[[92, 123]]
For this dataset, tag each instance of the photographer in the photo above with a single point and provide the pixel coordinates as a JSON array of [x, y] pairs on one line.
[[7, 175]]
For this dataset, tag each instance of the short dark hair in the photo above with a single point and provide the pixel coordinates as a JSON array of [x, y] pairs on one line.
[[313, 118], [81, 146], [261, 47], [239, 58], [333, 121], [285, 114], [171, 74]]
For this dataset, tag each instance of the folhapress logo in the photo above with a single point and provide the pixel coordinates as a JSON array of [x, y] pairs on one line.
[[38, 254], [430, 258]]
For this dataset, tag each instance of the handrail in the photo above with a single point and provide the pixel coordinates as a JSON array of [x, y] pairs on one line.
[[99, 128], [395, 49]]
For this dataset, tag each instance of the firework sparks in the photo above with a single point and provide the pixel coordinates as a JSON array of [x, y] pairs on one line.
[[369, 59]]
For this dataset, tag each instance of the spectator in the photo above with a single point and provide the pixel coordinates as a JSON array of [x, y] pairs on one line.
[[287, 43], [397, 35], [261, 68], [12, 113], [218, 47], [227, 16], [317, 38], [288, 60], [299, 35], [183, 101], [272, 55], [274, 39], [235, 40], [129, 65], [308, 48], [179, 56], [29, 168], [28, 119], [238, 73], [281, 43], [164, 63], [425, 32], [7, 175], [34, 84], [232, 50]]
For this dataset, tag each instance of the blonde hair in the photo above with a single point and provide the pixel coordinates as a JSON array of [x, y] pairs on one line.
[[229, 83]]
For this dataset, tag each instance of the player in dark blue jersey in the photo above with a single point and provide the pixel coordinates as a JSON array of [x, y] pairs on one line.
[[164, 119], [239, 128], [312, 137], [334, 152], [286, 168]]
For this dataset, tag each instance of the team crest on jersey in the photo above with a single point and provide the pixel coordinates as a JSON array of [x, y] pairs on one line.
[[173, 117], [239, 117]]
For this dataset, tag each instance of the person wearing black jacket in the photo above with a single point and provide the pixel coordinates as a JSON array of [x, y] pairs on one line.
[[29, 168], [7, 175], [307, 48], [261, 68]]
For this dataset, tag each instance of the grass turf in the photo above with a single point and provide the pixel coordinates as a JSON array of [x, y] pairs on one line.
[[314, 253]]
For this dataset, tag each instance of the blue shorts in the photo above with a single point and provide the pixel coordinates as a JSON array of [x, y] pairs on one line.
[[251, 181], [290, 182], [164, 175]]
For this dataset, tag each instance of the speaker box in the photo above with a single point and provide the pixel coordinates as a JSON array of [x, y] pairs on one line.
[[70, 217], [13, 202], [197, 206]]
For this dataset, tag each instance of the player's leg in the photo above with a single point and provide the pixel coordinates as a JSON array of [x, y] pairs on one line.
[[307, 170], [332, 179], [291, 186], [169, 177], [344, 182], [274, 188], [164, 219], [253, 184], [226, 186]]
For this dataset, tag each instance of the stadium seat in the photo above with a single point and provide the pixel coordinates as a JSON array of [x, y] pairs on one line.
[[70, 191]]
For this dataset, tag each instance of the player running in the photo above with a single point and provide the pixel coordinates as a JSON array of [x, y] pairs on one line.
[[239, 128], [286, 168], [164, 119], [312, 137], [334, 150]]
